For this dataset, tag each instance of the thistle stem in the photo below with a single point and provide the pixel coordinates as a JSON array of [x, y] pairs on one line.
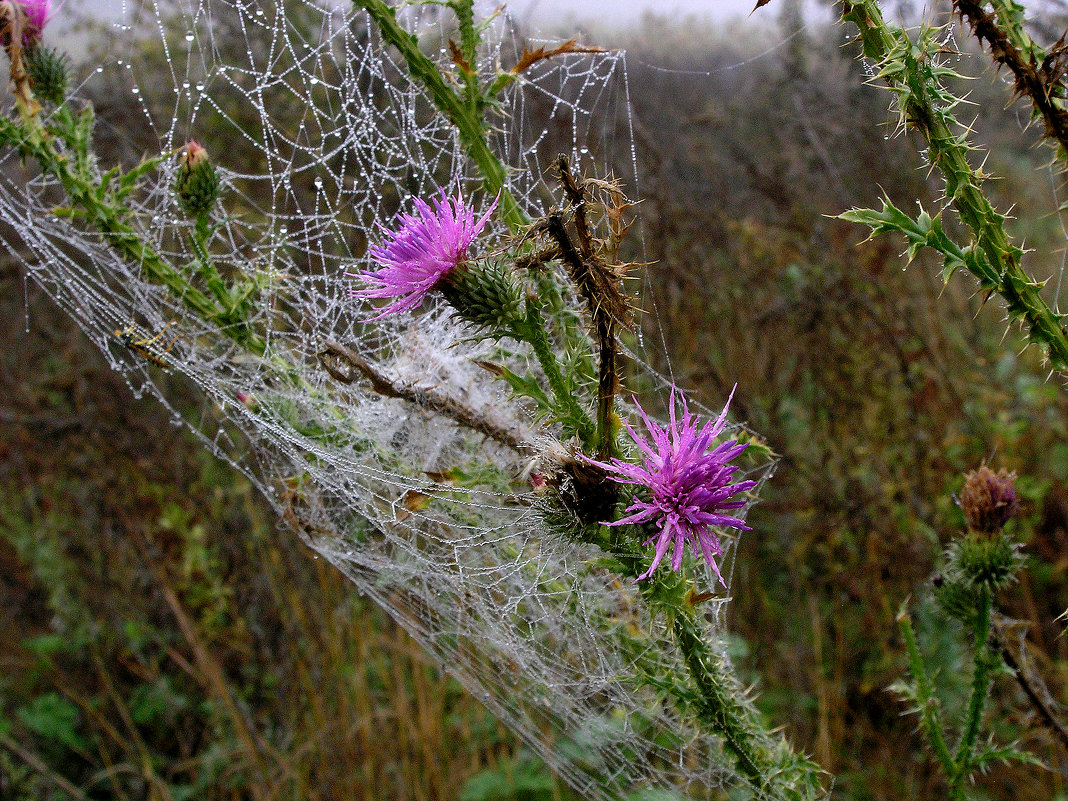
[[718, 706], [464, 116], [930, 720], [582, 265], [1012, 47], [906, 76], [983, 665], [205, 267], [533, 332]]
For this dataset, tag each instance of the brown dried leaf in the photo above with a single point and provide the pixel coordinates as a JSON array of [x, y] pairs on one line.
[[760, 4], [531, 57], [458, 57], [441, 476], [490, 367], [413, 501]]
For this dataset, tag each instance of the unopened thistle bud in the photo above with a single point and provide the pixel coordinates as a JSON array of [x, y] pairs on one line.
[[197, 182], [48, 73], [484, 295], [985, 556], [989, 500], [992, 560]]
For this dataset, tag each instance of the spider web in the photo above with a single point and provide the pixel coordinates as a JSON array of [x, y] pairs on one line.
[[320, 136]]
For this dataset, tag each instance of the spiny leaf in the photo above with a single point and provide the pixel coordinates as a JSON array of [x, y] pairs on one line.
[[1008, 753]]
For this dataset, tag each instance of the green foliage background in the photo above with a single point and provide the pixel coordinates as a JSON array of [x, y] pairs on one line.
[[164, 639]]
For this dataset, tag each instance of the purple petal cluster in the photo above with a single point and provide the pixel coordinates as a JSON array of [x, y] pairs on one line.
[[421, 251], [38, 13], [989, 499], [687, 482]]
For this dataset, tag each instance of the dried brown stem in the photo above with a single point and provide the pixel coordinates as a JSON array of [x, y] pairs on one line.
[[531, 57], [1041, 82], [582, 273], [1032, 686], [599, 286], [538, 260], [576, 196], [346, 366], [12, 25]]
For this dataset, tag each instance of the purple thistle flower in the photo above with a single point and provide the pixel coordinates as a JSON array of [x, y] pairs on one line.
[[688, 486], [38, 13], [422, 251]]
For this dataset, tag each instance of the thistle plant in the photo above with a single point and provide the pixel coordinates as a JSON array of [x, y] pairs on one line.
[[916, 74], [381, 408], [980, 563]]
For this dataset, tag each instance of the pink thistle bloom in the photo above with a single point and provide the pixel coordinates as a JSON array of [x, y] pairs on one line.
[[688, 486], [422, 251], [38, 13]]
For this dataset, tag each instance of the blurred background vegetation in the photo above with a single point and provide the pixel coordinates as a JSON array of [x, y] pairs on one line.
[[164, 639]]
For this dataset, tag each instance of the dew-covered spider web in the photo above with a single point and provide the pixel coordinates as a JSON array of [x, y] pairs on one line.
[[321, 136]]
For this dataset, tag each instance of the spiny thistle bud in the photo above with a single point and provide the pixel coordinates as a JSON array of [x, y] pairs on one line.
[[48, 74], [979, 559], [956, 597], [989, 499], [197, 182], [484, 295]]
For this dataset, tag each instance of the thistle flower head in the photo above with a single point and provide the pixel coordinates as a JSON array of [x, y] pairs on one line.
[[421, 251], [38, 13], [687, 485], [988, 499]]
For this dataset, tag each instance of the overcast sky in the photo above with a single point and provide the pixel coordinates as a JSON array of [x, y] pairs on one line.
[[542, 12], [623, 12]]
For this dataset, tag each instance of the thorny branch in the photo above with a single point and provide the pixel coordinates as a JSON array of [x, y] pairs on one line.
[[1032, 686], [1043, 83], [346, 366]]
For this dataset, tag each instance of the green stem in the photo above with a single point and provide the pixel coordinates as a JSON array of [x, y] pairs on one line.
[[983, 665], [534, 332], [205, 267], [718, 706], [930, 720], [1010, 16], [465, 117], [914, 82], [465, 17]]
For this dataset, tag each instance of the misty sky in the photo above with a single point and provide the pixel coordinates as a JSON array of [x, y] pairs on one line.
[[626, 11], [542, 12]]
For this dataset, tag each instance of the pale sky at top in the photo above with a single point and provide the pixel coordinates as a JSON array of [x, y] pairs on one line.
[[616, 12], [623, 12]]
